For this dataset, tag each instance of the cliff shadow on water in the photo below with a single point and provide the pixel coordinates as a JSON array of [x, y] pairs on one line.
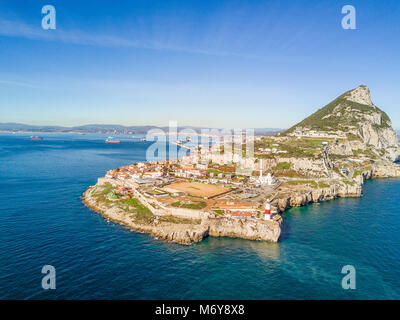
[[311, 217], [214, 246]]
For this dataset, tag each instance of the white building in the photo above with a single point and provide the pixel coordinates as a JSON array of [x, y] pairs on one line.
[[152, 174], [265, 180]]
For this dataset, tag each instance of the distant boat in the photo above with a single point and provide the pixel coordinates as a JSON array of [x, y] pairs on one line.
[[143, 139], [111, 140], [36, 138]]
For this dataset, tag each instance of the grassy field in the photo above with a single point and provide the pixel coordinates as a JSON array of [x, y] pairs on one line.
[[100, 192], [296, 148], [282, 166], [141, 212], [178, 220], [313, 183], [195, 205]]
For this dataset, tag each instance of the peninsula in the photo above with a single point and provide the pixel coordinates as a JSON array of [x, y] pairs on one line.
[[213, 193]]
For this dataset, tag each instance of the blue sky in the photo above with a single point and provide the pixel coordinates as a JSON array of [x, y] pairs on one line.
[[203, 63]]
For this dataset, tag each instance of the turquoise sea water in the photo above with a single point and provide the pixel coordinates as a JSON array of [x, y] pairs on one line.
[[43, 221]]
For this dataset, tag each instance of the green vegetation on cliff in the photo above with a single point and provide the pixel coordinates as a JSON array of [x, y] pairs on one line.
[[178, 220], [141, 212], [196, 205], [339, 114], [312, 183], [281, 166]]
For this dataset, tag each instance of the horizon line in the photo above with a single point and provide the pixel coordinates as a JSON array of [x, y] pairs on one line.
[[127, 126]]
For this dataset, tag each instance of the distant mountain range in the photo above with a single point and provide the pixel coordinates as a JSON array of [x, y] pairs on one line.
[[107, 129]]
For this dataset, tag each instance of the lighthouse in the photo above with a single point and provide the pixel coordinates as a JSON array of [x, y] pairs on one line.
[[267, 215]]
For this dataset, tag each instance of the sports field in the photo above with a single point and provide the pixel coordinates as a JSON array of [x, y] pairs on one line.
[[198, 189]]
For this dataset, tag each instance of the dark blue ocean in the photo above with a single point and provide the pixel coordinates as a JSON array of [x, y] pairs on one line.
[[43, 222]]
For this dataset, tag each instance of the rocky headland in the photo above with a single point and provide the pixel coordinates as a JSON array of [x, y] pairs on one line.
[[187, 231], [327, 155]]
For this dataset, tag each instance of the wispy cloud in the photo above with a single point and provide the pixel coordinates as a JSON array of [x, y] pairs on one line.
[[19, 29], [9, 28], [17, 83]]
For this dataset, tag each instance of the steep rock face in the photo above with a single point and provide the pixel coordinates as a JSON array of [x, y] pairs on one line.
[[343, 148], [251, 229], [377, 137], [374, 126], [304, 163], [360, 95], [376, 129], [322, 194], [386, 171], [185, 234], [354, 115], [339, 189]]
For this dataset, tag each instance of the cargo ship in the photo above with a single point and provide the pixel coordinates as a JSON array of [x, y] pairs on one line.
[[36, 138], [111, 140]]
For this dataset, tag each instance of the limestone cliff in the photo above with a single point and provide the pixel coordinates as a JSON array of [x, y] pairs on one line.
[[358, 143], [338, 189], [191, 230], [354, 115], [252, 229]]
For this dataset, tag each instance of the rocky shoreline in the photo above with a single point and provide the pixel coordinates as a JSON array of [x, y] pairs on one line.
[[188, 232], [337, 190], [325, 156]]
